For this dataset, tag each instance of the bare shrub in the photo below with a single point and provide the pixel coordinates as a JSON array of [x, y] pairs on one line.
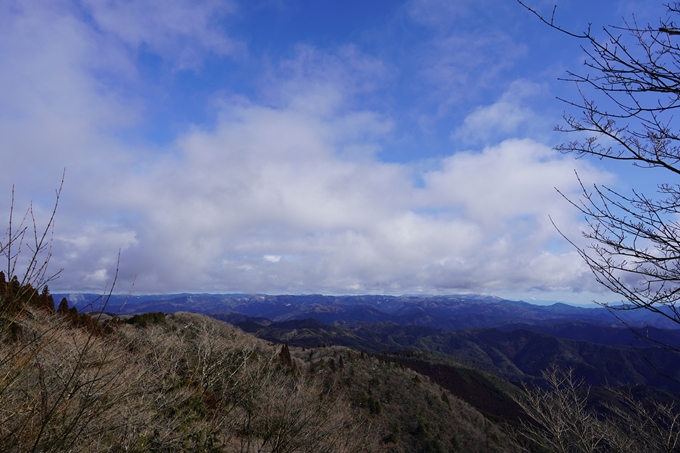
[[59, 386], [562, 419]]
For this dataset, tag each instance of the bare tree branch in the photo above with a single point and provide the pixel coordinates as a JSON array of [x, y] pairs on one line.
[[627, 97]]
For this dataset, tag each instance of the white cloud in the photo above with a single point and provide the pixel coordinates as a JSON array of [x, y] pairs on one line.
[[267, 183], [504, 118], [55, 114], [283, 193], [321, 82], [178, 30]]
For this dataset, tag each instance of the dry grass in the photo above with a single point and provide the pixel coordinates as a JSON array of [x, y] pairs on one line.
[[193, 384]]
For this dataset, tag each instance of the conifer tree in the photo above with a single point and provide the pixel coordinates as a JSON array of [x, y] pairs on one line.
[[3, 284], [63, 307], [46, 301], [285, 356]]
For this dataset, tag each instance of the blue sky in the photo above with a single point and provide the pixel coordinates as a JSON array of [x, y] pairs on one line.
[[273, 146]]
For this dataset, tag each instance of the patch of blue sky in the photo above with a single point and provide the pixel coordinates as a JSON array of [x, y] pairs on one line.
[[277, 24]]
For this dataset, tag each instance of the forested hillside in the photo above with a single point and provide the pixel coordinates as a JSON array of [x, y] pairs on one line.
[[186, 382]]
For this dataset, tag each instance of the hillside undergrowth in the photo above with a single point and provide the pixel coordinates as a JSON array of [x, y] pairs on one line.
[[191, 384]]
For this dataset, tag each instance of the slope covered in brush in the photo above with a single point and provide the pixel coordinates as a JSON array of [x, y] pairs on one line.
[[186, 382]]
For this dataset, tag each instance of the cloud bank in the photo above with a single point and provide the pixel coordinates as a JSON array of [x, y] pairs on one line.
[[282, 192]]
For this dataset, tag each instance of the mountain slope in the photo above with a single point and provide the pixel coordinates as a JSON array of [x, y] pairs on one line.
[[515, 355]]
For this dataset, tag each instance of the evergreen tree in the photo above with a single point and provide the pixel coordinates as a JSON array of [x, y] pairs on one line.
[[3, 284], [285, 356], [46, 301], [12, 296], [63, 307]]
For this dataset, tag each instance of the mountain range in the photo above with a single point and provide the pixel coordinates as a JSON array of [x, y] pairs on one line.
[[444, 312]]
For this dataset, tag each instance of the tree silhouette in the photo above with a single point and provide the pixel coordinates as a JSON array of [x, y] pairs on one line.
[[46, 301], [627, 97], [285, 357], [63, 307]]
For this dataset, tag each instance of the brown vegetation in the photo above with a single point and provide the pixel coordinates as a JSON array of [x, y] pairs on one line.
[[564, 419], [192, 384], [410, 412]]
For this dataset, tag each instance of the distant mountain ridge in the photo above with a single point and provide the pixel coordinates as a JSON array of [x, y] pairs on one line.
[[452, 312]]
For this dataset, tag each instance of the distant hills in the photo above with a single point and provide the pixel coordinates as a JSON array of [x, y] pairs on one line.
[[447, 313], [442, 312]]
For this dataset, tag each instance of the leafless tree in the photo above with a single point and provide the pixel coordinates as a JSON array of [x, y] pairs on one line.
[[562, 418], [27, 247], [628, 94]]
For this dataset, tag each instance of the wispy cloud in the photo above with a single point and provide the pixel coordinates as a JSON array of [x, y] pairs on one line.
[[507, 117], [444, 15], [180, 31], [322, 79], [459, 66]]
